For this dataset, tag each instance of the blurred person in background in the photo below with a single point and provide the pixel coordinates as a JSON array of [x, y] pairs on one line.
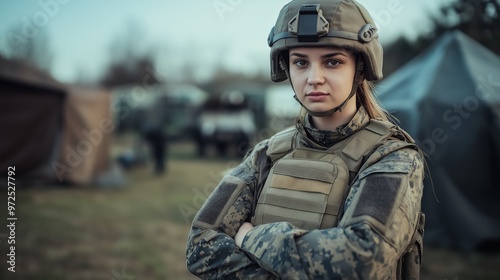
[[150, 125], [338, 196], [156, 138]]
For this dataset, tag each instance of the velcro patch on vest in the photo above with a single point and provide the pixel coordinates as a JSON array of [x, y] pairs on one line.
[[378, 197], [314, 177], [291, 183], [300, 204], [321, 171], [215, 208]]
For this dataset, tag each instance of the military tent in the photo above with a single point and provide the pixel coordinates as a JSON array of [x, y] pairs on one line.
[[448, 99], [54, 133], [85, 150], [31, 106]]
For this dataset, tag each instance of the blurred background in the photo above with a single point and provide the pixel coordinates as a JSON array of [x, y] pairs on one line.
[[118, 118]]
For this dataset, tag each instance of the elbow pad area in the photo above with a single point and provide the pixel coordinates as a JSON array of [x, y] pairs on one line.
[[215, 208]]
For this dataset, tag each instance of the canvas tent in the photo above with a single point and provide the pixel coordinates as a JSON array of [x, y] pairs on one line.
[[31, 106], [84, 153], [53, 133], [448, 99]]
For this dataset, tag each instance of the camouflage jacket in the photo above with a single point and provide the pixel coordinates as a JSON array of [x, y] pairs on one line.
[[363, 246]]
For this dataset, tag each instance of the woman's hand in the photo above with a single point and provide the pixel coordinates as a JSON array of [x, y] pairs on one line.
[[242, 231]]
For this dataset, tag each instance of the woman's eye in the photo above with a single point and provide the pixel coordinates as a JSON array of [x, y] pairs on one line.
[[333, 62], [300, 63]]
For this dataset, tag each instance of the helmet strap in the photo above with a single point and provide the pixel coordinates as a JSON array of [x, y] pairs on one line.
[[357, 80]]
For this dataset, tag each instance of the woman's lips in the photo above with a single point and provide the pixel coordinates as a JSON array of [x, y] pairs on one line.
[[316, 96]]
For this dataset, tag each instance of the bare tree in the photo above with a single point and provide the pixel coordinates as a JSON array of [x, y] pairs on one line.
[[480, 19], [129, 61]]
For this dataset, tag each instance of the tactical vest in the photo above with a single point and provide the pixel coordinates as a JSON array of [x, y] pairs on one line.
[[307, 187]]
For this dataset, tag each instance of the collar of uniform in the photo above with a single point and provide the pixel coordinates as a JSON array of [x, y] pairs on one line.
[[327, 138]]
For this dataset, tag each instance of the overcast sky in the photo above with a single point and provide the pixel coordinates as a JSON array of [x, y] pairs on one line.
[[232, 33]]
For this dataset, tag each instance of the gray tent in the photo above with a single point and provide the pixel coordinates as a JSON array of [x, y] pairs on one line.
[[448, 99]]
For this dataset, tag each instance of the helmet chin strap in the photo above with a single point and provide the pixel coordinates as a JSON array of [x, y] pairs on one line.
[[357, 80]]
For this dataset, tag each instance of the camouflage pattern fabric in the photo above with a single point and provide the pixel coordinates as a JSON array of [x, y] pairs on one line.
[[325, 138], [379, 218]]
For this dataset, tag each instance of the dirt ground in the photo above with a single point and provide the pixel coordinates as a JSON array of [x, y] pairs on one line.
[[139, 232]]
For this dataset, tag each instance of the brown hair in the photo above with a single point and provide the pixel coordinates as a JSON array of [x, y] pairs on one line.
[[365, 96]]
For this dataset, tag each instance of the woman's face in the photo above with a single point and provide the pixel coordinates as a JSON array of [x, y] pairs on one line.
[[322, 77]]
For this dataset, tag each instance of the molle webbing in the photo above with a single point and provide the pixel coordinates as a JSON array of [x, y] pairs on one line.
[[306, 199], [307, 186], [305, 191], [280, 144]]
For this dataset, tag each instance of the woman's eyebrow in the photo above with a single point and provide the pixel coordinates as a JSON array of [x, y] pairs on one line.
[[333, 54], [298, 54]]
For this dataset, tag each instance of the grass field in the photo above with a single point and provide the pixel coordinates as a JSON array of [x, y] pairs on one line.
[[139, 232]]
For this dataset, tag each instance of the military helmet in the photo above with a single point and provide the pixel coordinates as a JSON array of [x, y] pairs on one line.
[[325, 23]]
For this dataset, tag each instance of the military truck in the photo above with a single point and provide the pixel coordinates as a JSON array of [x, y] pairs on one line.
[[225, 122]]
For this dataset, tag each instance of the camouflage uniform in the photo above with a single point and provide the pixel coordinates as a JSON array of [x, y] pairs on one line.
[[379, 217]]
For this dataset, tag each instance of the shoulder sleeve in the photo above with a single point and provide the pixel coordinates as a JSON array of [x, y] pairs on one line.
[[387, 196], [211, 250]]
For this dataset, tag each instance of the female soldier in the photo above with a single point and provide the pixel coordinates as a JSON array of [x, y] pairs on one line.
[[338, 195]]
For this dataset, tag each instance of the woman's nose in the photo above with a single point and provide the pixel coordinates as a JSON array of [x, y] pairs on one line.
[[316, 75]]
